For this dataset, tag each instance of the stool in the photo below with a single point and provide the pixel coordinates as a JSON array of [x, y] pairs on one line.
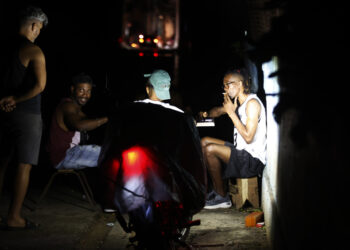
[[246, 189], [82, 179]]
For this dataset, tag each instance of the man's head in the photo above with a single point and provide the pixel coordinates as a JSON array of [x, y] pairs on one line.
[[158, 84], [31, 21], [81, 88], [236, 82]]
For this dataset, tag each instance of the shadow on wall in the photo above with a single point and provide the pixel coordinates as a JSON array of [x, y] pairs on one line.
[[309, 42]]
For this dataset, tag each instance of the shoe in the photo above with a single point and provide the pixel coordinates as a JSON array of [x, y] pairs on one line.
[[29, 225], [218, 201], [109, 210], [211, 194]]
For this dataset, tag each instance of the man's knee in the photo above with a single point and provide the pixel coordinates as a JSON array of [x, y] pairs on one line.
[[211, 149], [205, 141], [24, 167]]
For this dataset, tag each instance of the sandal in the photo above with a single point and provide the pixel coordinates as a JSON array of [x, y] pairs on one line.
[[29, 225]]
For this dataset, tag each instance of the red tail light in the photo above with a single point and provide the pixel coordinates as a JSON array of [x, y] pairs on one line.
[[115, 167], [134, 161]]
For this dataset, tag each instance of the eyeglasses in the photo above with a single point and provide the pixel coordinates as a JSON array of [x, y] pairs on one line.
[[229, 84]]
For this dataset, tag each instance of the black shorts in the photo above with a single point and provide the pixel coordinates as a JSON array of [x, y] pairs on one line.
[[241, 164], [20, 133]]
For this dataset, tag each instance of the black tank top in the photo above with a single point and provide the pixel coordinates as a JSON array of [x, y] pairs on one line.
[[18, 79]]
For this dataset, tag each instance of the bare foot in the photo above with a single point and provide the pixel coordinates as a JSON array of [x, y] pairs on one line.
[[16, 222]]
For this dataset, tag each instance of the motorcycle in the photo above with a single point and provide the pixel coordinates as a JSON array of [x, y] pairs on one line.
[[153, 171]]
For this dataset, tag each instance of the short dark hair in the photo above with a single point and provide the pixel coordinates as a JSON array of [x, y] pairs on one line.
[[82, 78], [244, 75], [148, 84], [32, 13]]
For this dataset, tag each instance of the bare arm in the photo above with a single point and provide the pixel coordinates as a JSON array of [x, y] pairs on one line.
[[213, 113], [216, 112], [253, 112], [74, 119]]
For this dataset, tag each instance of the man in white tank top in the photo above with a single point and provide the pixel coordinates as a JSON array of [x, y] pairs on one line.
[[246, 157]]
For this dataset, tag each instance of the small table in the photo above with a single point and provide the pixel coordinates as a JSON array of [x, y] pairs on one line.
[[206, 123]]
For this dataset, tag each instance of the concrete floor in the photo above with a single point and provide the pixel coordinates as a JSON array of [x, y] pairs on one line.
[[219, 229], [68, 222]]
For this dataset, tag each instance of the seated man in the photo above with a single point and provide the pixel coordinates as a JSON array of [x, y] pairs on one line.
[[246, 157], [152, 149], [67, 123], [157, 89]]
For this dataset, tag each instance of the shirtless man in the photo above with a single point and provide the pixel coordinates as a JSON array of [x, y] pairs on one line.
[[23, 79], [246, 157], [67, 124]]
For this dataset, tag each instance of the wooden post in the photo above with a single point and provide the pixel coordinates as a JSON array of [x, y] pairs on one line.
[[245, 190]]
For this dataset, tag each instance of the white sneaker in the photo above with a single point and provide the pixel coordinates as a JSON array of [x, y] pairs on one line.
[[218, 202], [109, 210]]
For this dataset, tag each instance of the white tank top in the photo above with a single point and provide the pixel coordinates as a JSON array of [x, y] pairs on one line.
[[257, 148]]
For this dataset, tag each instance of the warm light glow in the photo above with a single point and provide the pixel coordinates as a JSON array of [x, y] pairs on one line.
[[135, 161], [155, 40], [132, 157], [141, 40], [156, 19], [134, 45]]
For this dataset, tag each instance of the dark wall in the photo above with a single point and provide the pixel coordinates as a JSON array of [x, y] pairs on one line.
[[77, 39], [309, 41]]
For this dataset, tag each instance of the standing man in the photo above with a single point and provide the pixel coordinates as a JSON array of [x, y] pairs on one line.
[[22, 81], [246, 157], [68, 122]]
